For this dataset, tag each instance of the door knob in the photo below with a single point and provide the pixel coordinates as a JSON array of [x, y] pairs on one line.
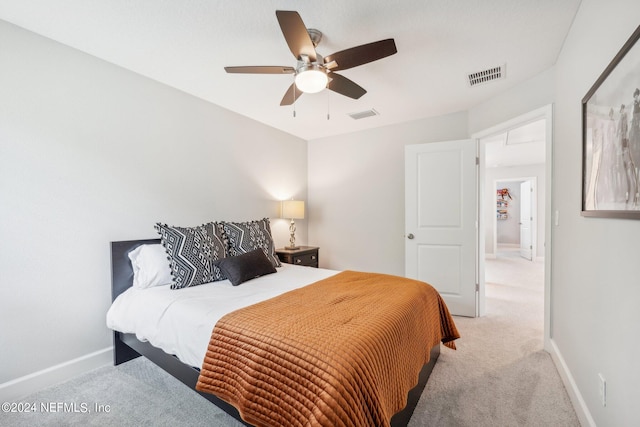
[[410, 236]]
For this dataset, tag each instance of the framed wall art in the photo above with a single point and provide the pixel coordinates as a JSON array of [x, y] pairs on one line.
[[611, 138]]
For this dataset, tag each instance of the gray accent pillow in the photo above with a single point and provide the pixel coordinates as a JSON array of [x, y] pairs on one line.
[[245, 267]]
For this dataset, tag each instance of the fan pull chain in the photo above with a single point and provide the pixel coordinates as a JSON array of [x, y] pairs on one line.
[[328, 106], [294, 98]]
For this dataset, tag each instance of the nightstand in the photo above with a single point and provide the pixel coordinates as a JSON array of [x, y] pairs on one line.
[[305, 255]]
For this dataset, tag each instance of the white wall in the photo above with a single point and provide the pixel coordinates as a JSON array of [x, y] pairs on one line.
[[504, 174], [596, 268], [91, 153], [519, 100], [356, 192]]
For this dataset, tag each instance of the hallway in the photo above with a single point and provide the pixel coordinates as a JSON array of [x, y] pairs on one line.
[[515, 289]]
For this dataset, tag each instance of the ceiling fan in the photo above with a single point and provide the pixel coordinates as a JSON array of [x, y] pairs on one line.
[[314, 73]]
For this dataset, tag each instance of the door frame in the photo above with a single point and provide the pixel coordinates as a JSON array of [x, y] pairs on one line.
[[546, 113]]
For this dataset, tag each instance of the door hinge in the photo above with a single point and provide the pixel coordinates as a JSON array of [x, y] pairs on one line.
[[477, 287], [477, 160]]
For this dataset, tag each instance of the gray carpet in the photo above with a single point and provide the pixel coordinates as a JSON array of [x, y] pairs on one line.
[[138, 394], [499, 376]]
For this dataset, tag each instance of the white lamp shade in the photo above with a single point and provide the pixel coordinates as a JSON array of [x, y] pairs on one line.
[[292, 209]]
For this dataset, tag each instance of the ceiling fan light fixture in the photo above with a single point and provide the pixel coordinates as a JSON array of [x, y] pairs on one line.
[[311, 79], [313, 72]]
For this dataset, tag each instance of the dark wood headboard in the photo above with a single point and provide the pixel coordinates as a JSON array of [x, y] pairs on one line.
[[121, 270]]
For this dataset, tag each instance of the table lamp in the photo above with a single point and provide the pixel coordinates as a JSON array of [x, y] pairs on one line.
[[292, 209]]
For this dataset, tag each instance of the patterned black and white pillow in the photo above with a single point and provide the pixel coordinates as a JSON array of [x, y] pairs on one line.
[[192, 252], [247, 236], [220, 246]]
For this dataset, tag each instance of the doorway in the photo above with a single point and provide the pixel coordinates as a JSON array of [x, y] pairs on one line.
[[512, 152], [516, 219]]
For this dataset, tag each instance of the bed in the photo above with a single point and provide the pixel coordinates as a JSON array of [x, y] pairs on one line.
[[129, 345]]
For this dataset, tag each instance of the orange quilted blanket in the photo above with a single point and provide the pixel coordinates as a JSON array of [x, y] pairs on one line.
[[343, 351]]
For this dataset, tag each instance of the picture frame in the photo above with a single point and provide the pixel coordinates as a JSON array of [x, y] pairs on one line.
[[611, 138]]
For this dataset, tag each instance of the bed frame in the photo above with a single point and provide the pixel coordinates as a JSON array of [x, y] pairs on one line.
[[127, 347]]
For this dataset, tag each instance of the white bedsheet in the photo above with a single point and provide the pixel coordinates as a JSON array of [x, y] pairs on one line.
[[180, 321]]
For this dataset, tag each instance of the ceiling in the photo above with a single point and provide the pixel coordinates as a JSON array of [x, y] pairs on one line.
[[186, 43], [522, 145]]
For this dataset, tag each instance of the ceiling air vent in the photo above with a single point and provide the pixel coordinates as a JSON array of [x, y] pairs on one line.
[[363, 114], [487, 75]]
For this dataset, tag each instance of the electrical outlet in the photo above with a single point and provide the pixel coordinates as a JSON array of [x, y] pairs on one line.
[[603, 389]]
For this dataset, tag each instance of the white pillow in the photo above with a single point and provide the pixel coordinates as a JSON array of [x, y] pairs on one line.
[[150, 266]]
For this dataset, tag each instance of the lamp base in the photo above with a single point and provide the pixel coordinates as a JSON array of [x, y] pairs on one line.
[[292, 248], [292, 239]]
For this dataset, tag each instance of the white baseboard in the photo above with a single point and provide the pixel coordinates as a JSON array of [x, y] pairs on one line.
[[31, 383], [579, 405]]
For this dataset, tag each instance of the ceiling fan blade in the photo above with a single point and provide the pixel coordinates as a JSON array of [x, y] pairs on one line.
[[296, 35], [359, 55], [344, 86], [261, 70], [292, 95]]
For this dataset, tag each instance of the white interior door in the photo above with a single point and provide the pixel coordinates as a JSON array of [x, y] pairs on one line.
[[526, 219], [441, 220]]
